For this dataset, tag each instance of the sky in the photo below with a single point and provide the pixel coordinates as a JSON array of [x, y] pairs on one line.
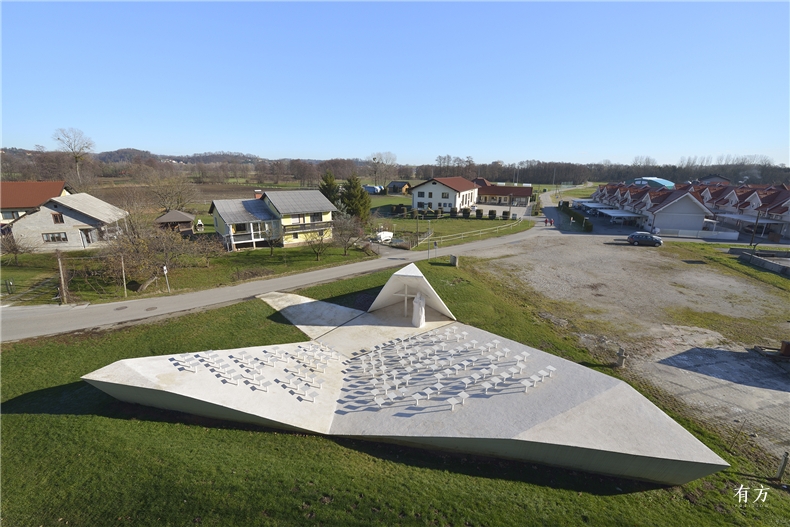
[[574, 82]]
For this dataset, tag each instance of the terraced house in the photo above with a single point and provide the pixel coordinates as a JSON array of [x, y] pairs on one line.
[[276, 218]]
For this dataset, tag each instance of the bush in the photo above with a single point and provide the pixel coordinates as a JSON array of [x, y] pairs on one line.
[[506, 215], [479, 214], [491, 214], [577, 216], [454, 212], [466, 213]]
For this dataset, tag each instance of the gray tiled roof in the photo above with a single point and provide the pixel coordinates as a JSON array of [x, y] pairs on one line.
[[299, 201], [92, 206], [175, 216], [242, 210]]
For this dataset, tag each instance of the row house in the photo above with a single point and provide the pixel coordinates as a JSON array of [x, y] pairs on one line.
[[764, 209]]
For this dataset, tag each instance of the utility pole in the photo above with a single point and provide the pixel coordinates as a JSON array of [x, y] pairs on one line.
[[64, 294], [123, 274]]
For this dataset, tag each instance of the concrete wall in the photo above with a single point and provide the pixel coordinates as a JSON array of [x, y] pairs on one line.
[[656, 470]]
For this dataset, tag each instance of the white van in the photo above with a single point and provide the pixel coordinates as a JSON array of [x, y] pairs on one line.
[[384, 237]]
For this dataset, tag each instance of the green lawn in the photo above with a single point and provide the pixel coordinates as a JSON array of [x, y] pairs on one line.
[[72, 455], [227, 269], [453, 227]]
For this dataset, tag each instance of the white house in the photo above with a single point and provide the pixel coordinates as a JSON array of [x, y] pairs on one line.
[[69, 223], [444, 192]]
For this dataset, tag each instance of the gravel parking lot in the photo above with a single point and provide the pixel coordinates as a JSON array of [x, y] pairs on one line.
[[628, 290]]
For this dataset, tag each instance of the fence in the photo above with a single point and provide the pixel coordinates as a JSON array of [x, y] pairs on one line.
[[471, 234], [708, 235]]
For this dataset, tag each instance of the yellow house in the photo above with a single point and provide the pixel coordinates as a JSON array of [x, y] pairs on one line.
[[280, 218]]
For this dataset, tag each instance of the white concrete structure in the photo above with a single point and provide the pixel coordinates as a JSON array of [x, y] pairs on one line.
[[447, 385]]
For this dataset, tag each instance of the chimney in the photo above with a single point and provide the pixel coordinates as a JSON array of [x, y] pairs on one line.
[[258, 193]]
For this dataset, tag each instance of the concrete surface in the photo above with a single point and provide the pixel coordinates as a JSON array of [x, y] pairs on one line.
[[576, 418]]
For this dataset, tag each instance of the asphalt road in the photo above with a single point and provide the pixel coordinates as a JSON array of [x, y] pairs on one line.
[[17, 323], [23, 322]]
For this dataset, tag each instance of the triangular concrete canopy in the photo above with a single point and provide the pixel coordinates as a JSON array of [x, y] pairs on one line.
[[406, 283]]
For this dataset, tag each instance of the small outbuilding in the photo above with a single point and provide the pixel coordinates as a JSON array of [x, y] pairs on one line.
[[176, 220]]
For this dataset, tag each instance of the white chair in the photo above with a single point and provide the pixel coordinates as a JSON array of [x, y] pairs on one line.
[[312, 395], [496, 380], [467, 381], [417, 398], [527, 383], [475, 377], [379, 401], [427, 392], [439, 387], [543, 374], [464, 396], [453, 401], [486, 385], [551, 369]]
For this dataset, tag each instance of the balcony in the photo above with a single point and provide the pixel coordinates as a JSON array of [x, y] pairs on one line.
[[307, 227]]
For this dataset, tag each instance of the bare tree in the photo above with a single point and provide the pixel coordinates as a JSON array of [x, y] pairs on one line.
[[172, 193], [346, 231], [318, 242], [76, 144], [9, 245], [383, 167]]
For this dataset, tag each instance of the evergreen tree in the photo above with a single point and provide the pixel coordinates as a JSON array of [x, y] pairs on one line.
[[330, 188], [355, 200]]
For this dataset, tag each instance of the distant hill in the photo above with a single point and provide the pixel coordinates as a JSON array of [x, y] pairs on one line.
[[124, 155]]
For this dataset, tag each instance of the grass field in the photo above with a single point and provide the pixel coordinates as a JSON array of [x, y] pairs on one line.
[[227, 269], [452, 227], [72, 455]]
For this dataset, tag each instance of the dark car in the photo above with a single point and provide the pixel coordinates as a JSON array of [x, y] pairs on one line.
[[645, 238]]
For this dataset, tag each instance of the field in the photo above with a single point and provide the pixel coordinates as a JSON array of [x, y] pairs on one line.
[[74, 455]]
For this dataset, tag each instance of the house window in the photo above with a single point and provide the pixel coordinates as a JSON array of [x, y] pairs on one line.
[[420, 204], [57, 217], [297, 218], [55, 237], [295, 236], [316, 217], [10, 215], [421, 194], [430, 194], [446, 195]]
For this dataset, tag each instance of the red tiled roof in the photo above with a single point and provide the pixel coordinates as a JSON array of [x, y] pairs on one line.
[[28, 194], [458, 184], [481, 182]]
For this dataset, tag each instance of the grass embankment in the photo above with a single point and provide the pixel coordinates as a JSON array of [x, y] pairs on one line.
[[227, 269], [72, 454]]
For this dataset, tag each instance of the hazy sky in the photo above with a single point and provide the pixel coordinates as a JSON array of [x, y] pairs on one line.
[[578, 82]]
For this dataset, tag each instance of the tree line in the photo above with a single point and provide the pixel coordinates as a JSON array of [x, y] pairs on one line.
[[75, 162]]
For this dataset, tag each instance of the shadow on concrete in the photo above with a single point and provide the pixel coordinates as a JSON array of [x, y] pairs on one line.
[[746, 368]]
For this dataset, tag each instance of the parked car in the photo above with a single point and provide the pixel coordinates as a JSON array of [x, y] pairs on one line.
[[384, 237], [645, 238]]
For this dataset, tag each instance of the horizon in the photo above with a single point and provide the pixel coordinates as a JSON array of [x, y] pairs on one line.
[[558, 82]]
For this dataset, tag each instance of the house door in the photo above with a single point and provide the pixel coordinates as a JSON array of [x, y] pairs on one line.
[[87, 237]]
